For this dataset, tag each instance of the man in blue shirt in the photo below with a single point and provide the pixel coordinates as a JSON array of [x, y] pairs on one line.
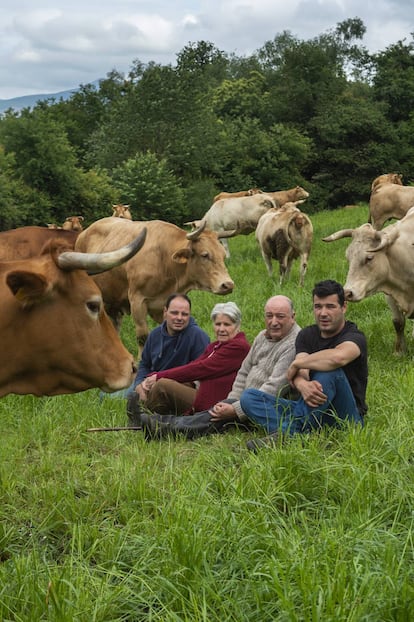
[[177, 341]]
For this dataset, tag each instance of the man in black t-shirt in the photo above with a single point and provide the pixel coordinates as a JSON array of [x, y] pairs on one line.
[[330, 371]]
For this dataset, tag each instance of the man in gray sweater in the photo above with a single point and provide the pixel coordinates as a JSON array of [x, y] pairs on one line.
[[264, 368]]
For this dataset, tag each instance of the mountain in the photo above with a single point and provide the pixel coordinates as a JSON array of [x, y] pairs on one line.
[[28, 101]]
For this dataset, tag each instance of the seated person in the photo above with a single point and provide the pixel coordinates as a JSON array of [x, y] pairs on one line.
[[265, 368], [177, 341], [173, 390], [330, 372]]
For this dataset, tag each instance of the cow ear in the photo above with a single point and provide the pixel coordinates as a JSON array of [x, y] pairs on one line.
[[182, 256], [27, 287]]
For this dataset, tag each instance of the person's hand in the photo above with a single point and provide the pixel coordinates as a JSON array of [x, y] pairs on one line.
[[222, 410], [142, 393], [312, 393], [149, 382]]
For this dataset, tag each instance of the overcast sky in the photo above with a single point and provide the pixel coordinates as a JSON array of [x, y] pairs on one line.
[[49, 46]]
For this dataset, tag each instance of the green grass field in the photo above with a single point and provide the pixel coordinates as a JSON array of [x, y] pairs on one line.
[[105, 527]]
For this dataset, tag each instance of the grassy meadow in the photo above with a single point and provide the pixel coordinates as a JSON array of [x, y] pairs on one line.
[[106, 527]]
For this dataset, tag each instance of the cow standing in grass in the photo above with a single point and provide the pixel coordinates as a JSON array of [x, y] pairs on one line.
[[172, 260]]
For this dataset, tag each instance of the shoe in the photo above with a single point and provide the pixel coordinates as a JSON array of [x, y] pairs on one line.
[[271, 441], [157, 426], [134, 411]]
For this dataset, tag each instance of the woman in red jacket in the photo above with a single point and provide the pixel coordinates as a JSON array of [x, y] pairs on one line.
[[208, 379]]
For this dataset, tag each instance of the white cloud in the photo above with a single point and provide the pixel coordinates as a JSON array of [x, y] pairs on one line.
[[67, 43]]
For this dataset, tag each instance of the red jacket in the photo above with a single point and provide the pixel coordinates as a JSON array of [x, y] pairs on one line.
[[215, 369]]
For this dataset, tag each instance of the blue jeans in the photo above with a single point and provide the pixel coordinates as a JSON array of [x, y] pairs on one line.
[[296, 417]]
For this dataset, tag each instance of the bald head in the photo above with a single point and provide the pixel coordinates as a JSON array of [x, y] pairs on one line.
[[279, 317]]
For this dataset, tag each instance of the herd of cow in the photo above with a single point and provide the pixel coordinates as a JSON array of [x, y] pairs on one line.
[[46, 278]]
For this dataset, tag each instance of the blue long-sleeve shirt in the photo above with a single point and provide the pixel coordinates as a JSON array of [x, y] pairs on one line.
[[163, 351]]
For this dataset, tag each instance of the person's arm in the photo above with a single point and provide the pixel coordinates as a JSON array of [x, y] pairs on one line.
[[224, 359], [323, 360]]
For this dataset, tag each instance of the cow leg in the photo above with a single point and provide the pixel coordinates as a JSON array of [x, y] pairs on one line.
[[303, 269], [282, 269], [267, 258], [116, 316], [398, 319], [226, 246], [139, 313]]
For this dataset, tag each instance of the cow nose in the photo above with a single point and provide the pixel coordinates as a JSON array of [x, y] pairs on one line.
[[227, 286], [134, 367], [348, 294]]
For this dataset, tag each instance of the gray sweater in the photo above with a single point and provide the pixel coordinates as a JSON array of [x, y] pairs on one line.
[[264, 367]]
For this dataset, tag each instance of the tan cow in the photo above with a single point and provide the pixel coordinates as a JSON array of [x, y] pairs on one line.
[[55, 335], [387, 178], [171, 261], [284, 234], [288, 196], [241, 193], [73, 223], [239, 215], [25, 242], [389, 201], [121, 211], [383, 261]]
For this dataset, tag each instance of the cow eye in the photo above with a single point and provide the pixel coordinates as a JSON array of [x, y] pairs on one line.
[[206, 255], [369, 258], [94, 306]]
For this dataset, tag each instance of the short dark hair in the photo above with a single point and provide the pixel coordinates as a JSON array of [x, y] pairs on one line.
[[328, 287], [172, 297]]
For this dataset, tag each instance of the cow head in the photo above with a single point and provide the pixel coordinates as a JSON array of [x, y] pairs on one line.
[[121, 211], [367, 258], [56, 335], [204, 259]]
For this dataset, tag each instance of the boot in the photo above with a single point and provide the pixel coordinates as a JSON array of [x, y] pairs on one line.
[[157, 426], [134, 411]]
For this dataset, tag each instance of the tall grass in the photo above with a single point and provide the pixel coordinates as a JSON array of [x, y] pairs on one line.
[[107, 527]]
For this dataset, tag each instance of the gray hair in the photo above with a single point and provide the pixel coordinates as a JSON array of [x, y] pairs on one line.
[[227, 308]]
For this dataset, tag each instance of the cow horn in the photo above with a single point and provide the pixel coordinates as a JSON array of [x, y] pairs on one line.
[[344, 233], [226, 234], [386, 239], [193, 235], [94, 263]]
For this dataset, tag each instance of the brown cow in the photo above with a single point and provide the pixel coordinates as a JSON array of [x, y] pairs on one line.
[[285, 234], [73, 223], [288, 196], [55, 335], [171, 261], [121, 211], [241, 193], [25, 242]]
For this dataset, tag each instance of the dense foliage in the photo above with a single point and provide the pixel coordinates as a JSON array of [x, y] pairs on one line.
[[322, 113]]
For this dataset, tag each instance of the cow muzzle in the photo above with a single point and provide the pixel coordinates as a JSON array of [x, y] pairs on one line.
[[226, 287]]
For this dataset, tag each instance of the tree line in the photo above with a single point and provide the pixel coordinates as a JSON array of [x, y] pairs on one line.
[[323, 113]]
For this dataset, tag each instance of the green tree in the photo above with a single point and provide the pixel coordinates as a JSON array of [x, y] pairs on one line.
[[19, 204], [393, 82], [355, 142], [150, 188]]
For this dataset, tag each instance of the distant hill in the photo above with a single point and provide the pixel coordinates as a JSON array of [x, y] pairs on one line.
[[28, 101]]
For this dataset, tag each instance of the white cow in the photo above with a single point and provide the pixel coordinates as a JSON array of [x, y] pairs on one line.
[[239, 215], [285, 234], [383, 261]]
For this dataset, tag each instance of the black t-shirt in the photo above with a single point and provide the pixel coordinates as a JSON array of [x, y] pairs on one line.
[[309, 340]]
